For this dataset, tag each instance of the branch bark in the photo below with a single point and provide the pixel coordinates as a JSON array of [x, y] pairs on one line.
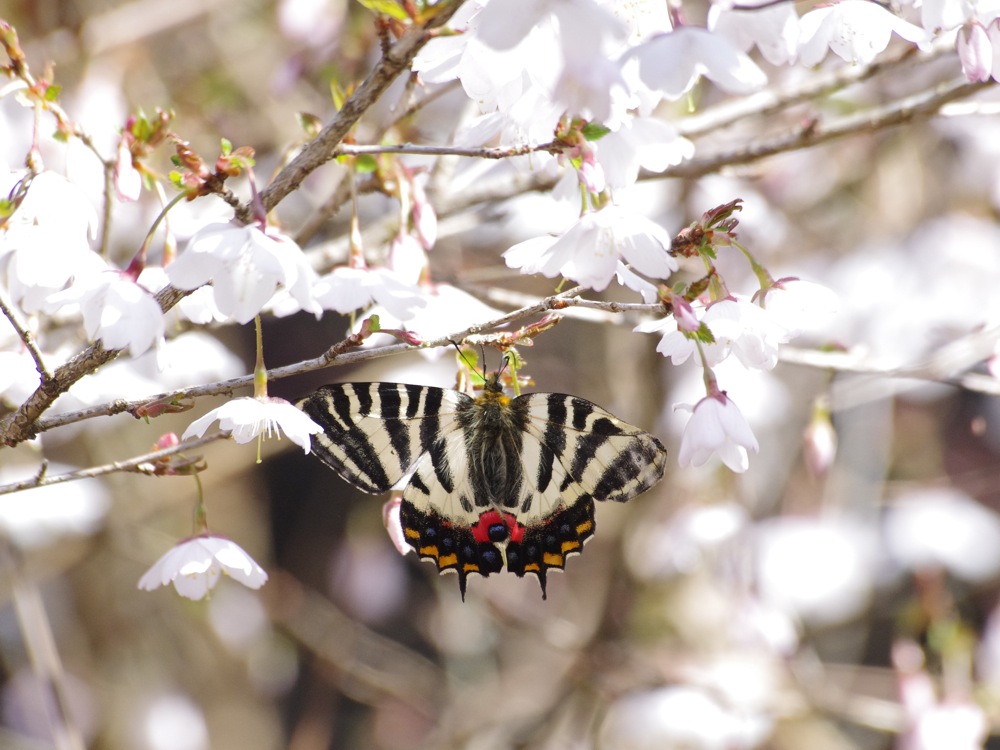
[[22, 424], [323, 147]]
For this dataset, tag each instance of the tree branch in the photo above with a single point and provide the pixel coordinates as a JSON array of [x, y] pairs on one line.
[[502, 152], [323, 147], [339, 354], [41, 479], [813, 133], [817, 131], [823, 83], [21, 425]]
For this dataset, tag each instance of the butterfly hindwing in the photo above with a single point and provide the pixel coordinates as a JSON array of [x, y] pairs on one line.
[[446, 518]]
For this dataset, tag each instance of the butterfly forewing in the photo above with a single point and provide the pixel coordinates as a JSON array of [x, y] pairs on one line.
[[611, 458], [374, 432], [494, 480]]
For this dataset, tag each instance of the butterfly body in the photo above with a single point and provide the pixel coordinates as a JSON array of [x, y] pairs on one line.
[[496, 481]]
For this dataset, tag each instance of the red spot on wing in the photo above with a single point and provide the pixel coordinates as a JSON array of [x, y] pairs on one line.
[[493, 518]]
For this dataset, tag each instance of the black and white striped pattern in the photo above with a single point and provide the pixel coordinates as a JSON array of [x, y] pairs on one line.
[[494, 480]]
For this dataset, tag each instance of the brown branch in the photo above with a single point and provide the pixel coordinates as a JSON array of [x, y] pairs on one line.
[[346, 353], [342, 191], [502, 152], [923, 105], [136, 464], [323, 147], [339, 354], [822, 83], [920, 106], [21, 425]]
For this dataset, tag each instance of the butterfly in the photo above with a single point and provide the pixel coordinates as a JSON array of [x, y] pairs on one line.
[[494, 481]]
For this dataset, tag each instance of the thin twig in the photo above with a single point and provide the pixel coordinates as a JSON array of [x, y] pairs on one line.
[[141, 464], [25, 335], [822, 83], [817, 131], [502, 152], [308, 229], [813, 133], [433, 96], [947, 366]]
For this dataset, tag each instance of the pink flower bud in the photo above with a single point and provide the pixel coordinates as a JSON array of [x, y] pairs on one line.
[[975, 51]]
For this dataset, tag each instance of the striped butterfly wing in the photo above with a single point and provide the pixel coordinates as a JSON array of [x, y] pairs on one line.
[[373, 433], [574, 453]]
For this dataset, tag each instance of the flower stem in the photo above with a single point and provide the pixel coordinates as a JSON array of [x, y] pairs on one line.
[[259, 371], [200, 511], [711, 384], [139, 261], [764, 278]]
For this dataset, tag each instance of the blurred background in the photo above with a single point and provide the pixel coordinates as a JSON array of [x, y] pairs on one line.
[[826, 599]]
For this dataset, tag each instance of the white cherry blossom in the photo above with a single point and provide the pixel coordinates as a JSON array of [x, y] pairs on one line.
[[640, 142], [249, 418], [642, 18], [347, 289], [942, 15], [773, 29], [46, 242], [672, 63], [674, 345], [245, 266], [116, 310], [18, 375], [589, 251], [128, 180], [797, 305], [819, 569], [680, 716], [855, 30], [975, 52], [526, 63], [446, 305], [195, 565], [993, 34], [628, 278], [745, 330], [392, 519], [716, 427], [935, 528], [53, 199]]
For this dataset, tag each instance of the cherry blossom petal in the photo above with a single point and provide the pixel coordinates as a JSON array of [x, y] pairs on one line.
[[672, 63], [248, 418], [717, 427], [855, 30], [195, 565], [975, 52], [774, 30], [246, 266]]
